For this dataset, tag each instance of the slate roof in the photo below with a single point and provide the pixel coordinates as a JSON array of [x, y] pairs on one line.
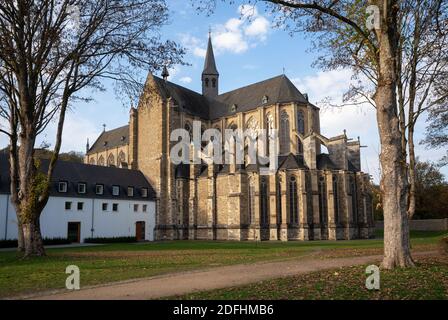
[[111, 139], [324, 162], [291, 162], [188, 100], [278, 90], [75, 173]]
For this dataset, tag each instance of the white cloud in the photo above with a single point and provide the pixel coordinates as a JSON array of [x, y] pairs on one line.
[[186, 79], [199, 52], [236, 35], [258, 28]]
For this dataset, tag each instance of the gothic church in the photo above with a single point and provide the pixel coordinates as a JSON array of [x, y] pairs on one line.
[[313, 195]]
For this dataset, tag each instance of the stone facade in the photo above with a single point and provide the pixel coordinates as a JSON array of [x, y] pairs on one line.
[[312, 195]]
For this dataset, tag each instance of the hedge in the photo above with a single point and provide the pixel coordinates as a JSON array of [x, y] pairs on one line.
[[47, 242], [111, 240]]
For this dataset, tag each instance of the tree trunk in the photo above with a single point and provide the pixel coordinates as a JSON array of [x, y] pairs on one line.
[[32, 190], [394, 182], [412, 179], [32, 238]]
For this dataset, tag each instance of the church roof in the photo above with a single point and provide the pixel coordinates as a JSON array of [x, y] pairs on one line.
[[277, 90], [210, 64], [188, 101], [324, 162], [291, 161], [111, 139]]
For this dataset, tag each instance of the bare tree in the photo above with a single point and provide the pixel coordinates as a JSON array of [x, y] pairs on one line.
[[373, 52], [49, 51]]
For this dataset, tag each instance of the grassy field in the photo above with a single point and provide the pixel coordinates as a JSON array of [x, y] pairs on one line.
[[115, 262], [429, 281]]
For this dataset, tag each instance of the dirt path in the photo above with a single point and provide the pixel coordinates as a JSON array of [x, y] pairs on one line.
[[221, 277]]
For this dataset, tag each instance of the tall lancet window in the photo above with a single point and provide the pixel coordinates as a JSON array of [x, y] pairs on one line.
[[285, 145], [293, 202], [264, 219], [336, 199], [353, 191], [301, 130], [111, 160], [251, 204], [323, 212], [269, 128], [250, 142], [279, 202]]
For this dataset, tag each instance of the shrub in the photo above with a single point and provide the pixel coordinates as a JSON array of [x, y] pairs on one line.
[[47, 242], [444, 243], [111, 240]]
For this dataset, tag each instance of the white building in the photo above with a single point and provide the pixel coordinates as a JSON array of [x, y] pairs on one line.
[[87, 201]]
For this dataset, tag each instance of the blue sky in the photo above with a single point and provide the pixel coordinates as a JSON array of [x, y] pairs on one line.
[[246, 52]]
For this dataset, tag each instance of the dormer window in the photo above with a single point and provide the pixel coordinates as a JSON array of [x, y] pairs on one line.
[[233, 108], [115, 190], [62, 186], [82, 188], [145, 192], [99, 189], [265, 99], [123, 138], [130, 191], [105, 143]]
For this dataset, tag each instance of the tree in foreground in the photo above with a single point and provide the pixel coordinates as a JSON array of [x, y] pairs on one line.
[[49, 51], [374, 51]]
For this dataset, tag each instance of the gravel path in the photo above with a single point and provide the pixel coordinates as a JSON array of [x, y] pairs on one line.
[[216, 278]]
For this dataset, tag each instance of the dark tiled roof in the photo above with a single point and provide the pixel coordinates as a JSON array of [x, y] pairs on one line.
[[291, 162], [324, 162], [110, 139], [188, 101], [278, 90], [75, 173]]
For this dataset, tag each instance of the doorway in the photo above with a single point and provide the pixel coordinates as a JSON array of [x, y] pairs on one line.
[[140, 230], [74, 232]]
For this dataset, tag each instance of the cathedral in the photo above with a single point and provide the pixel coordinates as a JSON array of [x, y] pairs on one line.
[[318, 190]]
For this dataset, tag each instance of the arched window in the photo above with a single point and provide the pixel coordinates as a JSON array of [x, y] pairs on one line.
[[206, 82], [323, 212], [101, 161], [122, 160], [300, 129], [251, 199], [284, 133], [189, 129], [279, 202], [269, 128], [111, 160], [252, 130], [336, 199], [264, 218], [353, 191], [293, 202], [214, 83], [92, 161]]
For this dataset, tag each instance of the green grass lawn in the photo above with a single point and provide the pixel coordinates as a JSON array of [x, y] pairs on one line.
[[115, 262], [428, 281]]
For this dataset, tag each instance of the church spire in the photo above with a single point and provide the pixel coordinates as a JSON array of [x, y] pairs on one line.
[[210, 75]]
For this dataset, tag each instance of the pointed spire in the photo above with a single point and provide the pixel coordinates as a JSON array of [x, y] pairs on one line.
[[87, 146], [210, 65]]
